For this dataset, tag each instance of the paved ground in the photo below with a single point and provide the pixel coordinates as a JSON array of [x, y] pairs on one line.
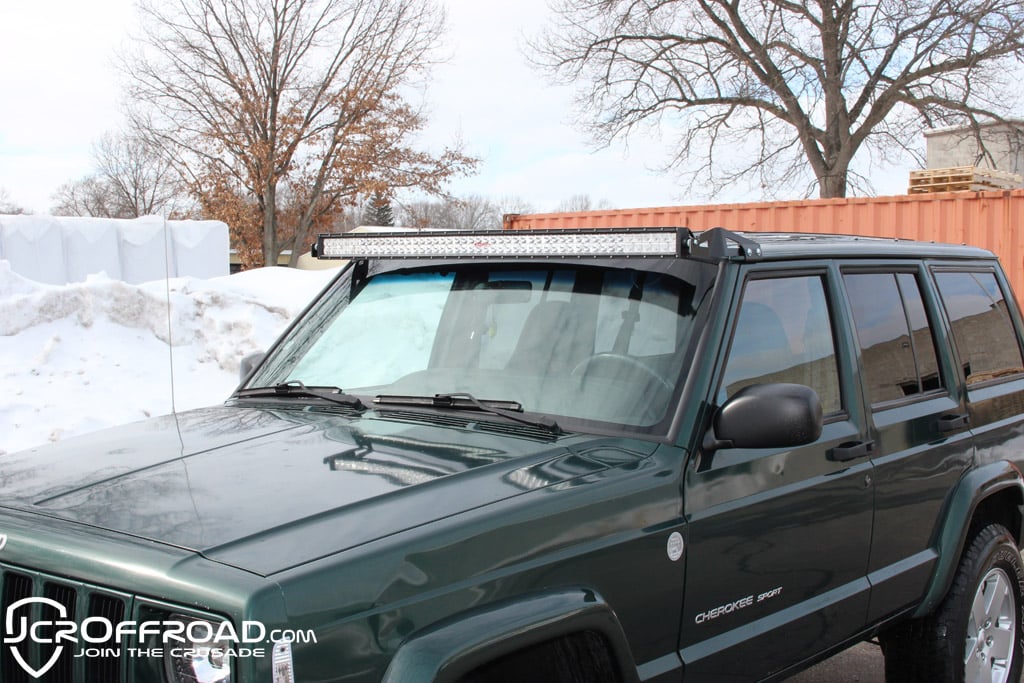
[[860, 664]]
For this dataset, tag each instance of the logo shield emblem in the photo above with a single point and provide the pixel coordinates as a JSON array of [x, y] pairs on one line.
[[20, 634]]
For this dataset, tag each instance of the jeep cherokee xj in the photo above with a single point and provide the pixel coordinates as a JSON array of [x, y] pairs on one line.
[[614, 455]]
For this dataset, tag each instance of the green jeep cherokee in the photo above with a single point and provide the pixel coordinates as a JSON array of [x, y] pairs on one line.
[[614, 455]]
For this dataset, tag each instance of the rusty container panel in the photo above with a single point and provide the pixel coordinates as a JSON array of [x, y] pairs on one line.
[[991, 220]]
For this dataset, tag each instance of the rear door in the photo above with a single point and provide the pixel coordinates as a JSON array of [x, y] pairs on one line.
[[921, 444], [779, 538]]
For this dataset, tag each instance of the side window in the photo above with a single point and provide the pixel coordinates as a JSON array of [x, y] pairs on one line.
[[783, 333], [982, 328], [896, 343]]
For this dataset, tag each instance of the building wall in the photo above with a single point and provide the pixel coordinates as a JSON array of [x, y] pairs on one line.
[[951, 148]]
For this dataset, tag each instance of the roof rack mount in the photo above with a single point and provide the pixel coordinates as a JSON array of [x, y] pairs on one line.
[[714, 243]]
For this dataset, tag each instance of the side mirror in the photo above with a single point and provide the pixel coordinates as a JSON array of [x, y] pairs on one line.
[[767, 416], [249, 363]]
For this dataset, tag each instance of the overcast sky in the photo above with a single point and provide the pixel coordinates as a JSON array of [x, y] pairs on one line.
[[59, 94]]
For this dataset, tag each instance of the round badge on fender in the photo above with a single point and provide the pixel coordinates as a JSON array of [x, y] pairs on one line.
[[675, 546]]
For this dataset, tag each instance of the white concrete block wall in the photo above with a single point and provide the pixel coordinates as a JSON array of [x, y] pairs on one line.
[[90, 246], [193, 243], [145, 252], [58, 250], [34, 246]]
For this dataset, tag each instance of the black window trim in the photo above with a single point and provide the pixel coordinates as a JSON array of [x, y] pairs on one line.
[[923, 283]]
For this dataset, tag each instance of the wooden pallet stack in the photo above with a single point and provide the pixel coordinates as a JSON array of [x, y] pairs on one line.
[[960, 178]]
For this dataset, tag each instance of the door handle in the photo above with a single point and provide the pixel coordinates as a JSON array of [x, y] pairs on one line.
[[851, 450], [951, 423]]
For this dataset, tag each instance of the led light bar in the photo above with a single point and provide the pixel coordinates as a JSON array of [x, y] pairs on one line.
[[638, 242]]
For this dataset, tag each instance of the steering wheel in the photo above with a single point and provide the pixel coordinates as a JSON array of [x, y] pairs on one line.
[[626, 364]]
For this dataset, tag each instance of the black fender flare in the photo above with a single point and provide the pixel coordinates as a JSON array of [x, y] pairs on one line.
[[455, 646], [974, 487]]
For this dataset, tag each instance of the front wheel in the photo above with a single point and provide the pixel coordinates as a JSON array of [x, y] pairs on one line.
[[975, 634], [992, 638]]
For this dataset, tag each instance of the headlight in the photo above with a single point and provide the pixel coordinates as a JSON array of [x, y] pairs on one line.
[[201, 658]]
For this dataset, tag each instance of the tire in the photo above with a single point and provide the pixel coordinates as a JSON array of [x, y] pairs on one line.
[[975, 635], [578, 658]]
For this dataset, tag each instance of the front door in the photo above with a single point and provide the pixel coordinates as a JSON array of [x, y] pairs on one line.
[[779, 538]]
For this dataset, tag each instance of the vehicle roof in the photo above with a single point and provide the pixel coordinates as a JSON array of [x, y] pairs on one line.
[[777, 246]]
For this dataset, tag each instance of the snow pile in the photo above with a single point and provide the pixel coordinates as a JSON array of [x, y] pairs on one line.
[[57, 250], [92, 354]]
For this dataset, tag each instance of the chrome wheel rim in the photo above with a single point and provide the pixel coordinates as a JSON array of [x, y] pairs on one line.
[[991, 630]]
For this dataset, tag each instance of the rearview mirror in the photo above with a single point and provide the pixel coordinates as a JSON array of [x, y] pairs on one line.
[[510, 291], [767, 416]]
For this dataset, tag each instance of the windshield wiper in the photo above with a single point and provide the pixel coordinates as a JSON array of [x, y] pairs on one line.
[[465, 401], [295, 388]]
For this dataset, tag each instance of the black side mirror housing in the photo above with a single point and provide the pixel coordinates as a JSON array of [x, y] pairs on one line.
[[249, 363], [767, 416]]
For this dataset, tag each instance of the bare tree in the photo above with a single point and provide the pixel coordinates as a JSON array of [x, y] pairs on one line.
[[422, 214], [6, 205], [781, 87], [132, 179], [467, 213], [513, 204], [582, 202], [260, 97], [474, 212], [141, 178], [88, 196]]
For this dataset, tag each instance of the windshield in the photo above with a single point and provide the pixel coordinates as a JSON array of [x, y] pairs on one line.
[[579, 342]]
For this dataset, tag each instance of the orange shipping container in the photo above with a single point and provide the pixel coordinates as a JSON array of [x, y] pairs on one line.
[[991, 220]]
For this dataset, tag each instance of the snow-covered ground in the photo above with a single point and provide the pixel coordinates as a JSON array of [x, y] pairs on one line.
[[83, 356]]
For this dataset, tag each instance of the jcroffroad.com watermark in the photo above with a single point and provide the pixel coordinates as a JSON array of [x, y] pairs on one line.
[[181, 641]]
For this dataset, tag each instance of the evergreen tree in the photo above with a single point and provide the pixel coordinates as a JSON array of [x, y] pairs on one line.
[[378, 210]]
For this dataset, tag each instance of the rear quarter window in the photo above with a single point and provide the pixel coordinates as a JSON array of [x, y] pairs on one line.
[[982, 328]]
